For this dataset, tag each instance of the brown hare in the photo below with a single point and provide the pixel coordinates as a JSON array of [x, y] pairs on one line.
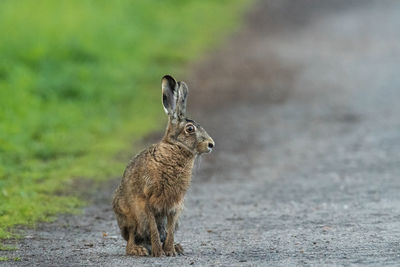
[[149, 199]]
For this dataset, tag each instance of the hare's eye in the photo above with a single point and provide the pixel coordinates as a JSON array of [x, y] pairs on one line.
[[190, 128]]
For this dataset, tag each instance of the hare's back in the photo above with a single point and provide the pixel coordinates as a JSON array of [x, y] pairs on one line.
[[137, 166]]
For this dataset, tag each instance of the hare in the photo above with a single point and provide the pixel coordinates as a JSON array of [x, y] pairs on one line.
[[150, 197]]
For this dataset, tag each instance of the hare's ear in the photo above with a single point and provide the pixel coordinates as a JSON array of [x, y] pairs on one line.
[[182, 99], [169, 95]]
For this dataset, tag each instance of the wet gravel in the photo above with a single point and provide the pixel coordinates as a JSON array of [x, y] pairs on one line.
[[303, 105]]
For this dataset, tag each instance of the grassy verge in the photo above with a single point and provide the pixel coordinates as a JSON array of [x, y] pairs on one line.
[[9, 259], [79, 81]]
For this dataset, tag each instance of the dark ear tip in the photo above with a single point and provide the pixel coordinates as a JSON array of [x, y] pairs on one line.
[[168, 81], [168, 77]]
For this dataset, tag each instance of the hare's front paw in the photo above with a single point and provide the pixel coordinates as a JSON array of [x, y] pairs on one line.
[[170, 252], [157, 251], [179, 249]]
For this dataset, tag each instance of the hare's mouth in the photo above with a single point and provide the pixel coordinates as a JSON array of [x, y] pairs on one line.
[[205, 151], [205, 147]]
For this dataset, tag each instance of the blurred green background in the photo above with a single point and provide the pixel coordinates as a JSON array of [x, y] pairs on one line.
[[80, 82]]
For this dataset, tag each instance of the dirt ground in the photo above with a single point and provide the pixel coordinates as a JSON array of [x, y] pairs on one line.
[[303, 105]]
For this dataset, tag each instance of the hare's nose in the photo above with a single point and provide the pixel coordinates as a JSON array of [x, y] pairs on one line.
[[210, 145]]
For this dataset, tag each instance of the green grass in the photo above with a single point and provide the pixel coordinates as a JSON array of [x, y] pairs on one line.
[[80, 82], [2, 258], [7, 247]]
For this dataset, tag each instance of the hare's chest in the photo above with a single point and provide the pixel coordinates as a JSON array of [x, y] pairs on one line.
[[170, 191]]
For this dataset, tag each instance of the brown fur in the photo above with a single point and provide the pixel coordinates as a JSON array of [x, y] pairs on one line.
[[150, 198]]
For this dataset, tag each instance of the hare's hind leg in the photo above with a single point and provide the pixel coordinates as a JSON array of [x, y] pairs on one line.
[[179, 249], [132, 248]]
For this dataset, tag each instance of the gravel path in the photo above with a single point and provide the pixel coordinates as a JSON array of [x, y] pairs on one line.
[[303, 104]]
